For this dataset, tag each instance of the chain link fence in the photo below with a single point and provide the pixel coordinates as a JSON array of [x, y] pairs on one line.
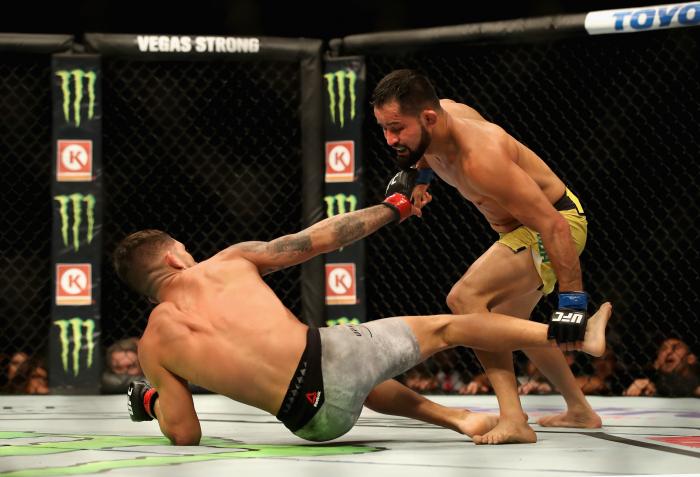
[[616, 117], [207, 151], [25, 198], [210, 151]]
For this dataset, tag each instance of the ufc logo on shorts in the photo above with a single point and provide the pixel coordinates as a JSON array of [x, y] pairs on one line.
[[570, 317]]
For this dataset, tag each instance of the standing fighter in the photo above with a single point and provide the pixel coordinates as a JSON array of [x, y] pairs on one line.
[[541, 224], [218, 325]]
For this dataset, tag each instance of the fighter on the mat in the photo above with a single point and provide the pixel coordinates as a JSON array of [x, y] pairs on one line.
[[218, 325], [541, 224]]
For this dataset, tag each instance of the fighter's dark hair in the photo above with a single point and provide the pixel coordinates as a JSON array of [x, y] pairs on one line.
[[412, 90]]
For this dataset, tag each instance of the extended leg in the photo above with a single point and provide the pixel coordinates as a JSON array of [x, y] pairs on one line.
[[392, 397]]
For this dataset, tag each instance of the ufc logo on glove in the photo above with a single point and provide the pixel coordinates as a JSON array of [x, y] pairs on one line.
[[571, 317]]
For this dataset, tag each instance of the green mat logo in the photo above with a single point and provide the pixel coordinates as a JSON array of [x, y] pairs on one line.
[[343, 320], [87, 452], [344, 82], [77, 86], [71, 212], [71, 337], [340, 204]]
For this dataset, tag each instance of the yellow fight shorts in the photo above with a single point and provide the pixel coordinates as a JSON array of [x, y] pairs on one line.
[[523, 237]]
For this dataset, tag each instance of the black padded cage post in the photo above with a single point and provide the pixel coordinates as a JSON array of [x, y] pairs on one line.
[[614, 115], [215, 140], [25, 195]]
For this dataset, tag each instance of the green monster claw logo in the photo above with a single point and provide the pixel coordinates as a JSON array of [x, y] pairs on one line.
[[343, 320], [76, 201], [73, 92], [336, 204], [75, 326], [339, 78], [86, 446]]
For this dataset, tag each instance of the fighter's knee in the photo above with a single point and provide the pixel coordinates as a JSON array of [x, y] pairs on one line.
[[454, 300], [464, 299]]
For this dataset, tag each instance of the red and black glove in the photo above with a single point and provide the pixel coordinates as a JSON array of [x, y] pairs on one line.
[[141, 401], [398, 194]]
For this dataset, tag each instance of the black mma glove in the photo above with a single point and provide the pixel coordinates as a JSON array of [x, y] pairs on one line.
[[141, 401], [568, 322], [398, 193]]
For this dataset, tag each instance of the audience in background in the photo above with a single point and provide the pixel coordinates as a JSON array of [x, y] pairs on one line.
[[479, 384], [16, 360], [674, 373], [121, 366], [420, 379], [534, 382], [603, 381], [26, 375]]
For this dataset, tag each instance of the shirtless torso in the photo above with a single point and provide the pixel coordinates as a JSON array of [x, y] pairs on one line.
[[470, 130], [221, 327]]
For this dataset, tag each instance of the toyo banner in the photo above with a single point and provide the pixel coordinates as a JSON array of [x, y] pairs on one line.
[[344, 105], [76, 245]]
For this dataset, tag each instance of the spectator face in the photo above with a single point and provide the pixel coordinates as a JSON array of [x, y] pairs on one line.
[[38, 382], [15, 362], [674, 356], [605, 365], [125, 362]]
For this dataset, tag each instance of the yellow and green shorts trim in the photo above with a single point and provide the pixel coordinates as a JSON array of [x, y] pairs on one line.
[[526, 238]]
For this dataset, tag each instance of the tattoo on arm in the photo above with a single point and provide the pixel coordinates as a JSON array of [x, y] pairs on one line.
[[299, 243], [348, 229]]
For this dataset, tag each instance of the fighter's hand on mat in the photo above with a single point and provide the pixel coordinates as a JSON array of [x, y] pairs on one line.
[[567, 325], [398, 192], [141, 401]]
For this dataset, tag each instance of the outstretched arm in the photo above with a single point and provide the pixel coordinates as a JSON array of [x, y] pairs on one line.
[[173, 406], [323, 237]]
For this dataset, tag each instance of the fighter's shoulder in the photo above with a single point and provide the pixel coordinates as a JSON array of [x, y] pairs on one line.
[[241, 250], [159, 315], [460, 110]]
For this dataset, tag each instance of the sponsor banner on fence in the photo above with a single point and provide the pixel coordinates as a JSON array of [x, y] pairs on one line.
[[76, 247], [344, 88], [630, 20]]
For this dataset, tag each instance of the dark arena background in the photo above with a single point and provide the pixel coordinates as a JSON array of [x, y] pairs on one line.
[[218, 144]]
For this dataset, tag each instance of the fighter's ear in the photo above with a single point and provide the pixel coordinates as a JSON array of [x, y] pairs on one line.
[[172, 260], [429, 116]]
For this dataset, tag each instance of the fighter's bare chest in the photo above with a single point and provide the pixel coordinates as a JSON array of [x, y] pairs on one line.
[[451, 172]]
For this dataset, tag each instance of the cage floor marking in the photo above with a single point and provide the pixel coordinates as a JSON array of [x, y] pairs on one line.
[[47, 436]]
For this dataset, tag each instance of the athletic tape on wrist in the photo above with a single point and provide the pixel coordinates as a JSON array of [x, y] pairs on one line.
[[425, 176], [576, 300]]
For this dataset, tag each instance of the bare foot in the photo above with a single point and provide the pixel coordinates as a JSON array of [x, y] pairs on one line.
[[587, 419], [594, 341], [476, 423], [507, 431]]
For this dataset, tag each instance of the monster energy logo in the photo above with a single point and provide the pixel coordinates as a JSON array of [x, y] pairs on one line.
[[75, 203], [73, 92], [71, 332], [343, 320], [340, 204], [338, 105]]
